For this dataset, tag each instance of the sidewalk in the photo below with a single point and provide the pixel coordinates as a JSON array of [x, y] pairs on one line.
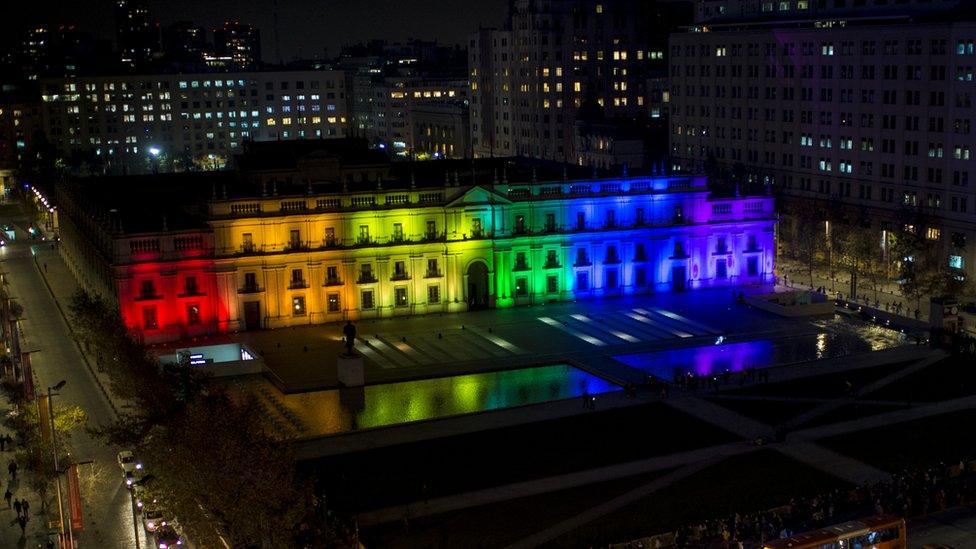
[[37, 531], [887, 292]]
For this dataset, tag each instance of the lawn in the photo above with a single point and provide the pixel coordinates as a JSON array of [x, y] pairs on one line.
[[921, 442], [385, 476], [953, 377], [751, 482], [499, 524], [770, 412]]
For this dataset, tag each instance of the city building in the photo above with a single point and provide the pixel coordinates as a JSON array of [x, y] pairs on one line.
[[529, 79], [184, 43], [239, 42], [384, 109], [137, 34], [144, 123], [440, 130], [863, 112], [301, 236]]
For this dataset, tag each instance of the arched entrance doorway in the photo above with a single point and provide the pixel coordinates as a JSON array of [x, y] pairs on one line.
[[477, 295]]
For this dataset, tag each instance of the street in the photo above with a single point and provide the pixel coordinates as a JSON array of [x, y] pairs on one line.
[[108, 512]]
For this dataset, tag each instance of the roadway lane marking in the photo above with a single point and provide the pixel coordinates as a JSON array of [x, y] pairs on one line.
[[600, 326]]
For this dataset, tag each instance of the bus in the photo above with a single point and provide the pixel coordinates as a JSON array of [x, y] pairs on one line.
[[878, 532]]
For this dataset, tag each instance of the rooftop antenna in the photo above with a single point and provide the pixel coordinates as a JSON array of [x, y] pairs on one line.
[[264, 188], [455, 178], [223, 190], [534, 179], [413, 180], [565, 171], [165, 225], [505, 174], [274, 187], [495, 178], [213, 193], [626, 170]]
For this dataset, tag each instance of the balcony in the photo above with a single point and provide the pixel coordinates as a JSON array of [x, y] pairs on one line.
[[521, 267], [333, 281], [248, 248], [433, 237], [148, 297], [366, 278], [364, 241], [549, 229], [400, 276], [583, 263], [611, 260], [432, 273], [297, 285], [330, 243], [552, 265], [295, 246], [250, 289], [520, 231]]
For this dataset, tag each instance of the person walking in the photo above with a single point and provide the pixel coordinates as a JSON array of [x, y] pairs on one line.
[[12, 469], [25, 505], [18, 506], [3, 443], [22, 521], [8, 495]]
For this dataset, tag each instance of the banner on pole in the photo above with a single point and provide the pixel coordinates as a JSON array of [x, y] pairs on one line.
[[44, 418], [25, 364], [74, 499]]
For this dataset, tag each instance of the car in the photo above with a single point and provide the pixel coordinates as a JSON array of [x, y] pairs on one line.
[[167, 537], [153, 519], [127, 461]]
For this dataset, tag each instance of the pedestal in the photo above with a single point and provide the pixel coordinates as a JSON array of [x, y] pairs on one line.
[[349, 369]]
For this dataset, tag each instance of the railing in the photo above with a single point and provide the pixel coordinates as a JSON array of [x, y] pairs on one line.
[[433, 273], [611, 260], [295, 246], [521, 267], [552, 265], [365, 278], [583, 263], [400, 276], [250, 289], [297, 284], [334, 281], [248, 248]]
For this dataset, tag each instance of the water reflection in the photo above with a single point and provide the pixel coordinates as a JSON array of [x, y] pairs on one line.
[[338, 411], [762, 353]]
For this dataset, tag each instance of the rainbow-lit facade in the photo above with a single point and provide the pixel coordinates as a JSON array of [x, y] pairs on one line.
[[277, 261]]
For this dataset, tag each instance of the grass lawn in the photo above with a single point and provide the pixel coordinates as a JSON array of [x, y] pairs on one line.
[[746, 483], [770, 412], [826, 386], [953, 377], [499, 524], [920, 442], [851, 411], [377, 478]]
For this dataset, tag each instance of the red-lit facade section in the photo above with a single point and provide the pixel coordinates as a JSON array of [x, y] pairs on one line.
[[167, 287]]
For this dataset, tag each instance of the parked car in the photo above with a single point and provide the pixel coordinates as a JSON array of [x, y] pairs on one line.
[[153, 518], [127, 461], [167, 537]]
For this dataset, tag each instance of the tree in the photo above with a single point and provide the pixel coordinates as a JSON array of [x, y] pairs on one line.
[[214, 461], [857, 252]]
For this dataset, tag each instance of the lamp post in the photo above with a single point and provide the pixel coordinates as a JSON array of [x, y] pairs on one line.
[[57, 469], [154, 153]]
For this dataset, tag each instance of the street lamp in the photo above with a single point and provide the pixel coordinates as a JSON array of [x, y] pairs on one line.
[[54, 450]]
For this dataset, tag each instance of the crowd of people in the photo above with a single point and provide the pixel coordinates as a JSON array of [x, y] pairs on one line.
[[911, 493]]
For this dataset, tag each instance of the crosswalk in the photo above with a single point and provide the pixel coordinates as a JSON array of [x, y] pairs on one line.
[[467, 343]]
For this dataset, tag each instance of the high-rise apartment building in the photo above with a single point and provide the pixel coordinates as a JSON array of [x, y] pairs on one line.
[[241, 43], [172, 121], [860, 107], [137, 34], [529, 79]]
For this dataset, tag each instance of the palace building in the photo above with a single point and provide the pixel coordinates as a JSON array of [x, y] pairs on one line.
[[316, 236]]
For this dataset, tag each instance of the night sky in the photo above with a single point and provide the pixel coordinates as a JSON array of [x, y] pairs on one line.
[[305, 26]]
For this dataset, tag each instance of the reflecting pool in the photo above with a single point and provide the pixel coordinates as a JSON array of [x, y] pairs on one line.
[[761, 353], [343, 410]]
